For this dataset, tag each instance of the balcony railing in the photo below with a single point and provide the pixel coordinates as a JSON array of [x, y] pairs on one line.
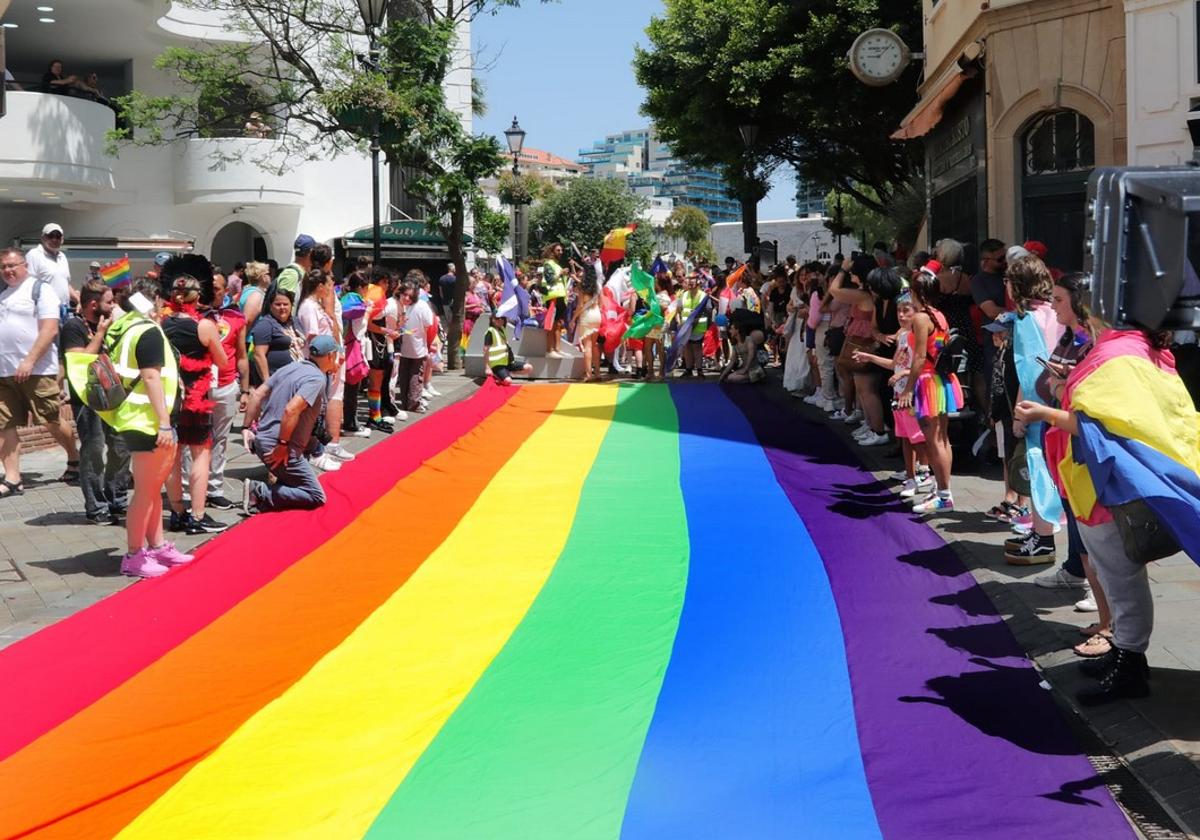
[[234, 169], [55, 142]]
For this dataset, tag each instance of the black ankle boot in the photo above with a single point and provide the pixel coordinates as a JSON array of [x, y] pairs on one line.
[[1127, 678], [1101, 665]]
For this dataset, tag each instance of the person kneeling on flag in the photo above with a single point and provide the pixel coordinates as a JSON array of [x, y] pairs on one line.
[[287, 408], [501, 363], [748, 332]]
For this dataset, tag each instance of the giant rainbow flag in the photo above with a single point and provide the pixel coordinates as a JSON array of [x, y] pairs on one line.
[[582, 611]]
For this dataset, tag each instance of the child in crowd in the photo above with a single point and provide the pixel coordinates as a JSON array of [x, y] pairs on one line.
[[912, 439], [501, 363]]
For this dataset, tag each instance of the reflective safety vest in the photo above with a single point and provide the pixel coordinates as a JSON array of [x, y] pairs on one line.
[[552, 276], [688, 302], [497, 353], [135, 413]]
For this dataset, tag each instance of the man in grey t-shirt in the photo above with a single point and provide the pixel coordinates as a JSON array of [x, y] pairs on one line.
[[287, 407]]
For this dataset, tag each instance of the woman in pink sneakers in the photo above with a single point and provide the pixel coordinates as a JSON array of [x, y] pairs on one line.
[[149, 372]]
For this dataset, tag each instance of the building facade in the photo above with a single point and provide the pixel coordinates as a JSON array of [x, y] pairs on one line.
[[648, 166], [810, 201], [209, 192], [1161, 52], [1021, 100]]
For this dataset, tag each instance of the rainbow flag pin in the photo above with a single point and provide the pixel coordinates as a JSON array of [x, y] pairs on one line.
[[117, 274]]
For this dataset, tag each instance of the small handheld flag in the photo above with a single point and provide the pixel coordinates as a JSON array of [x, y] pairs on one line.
[[117, 274]]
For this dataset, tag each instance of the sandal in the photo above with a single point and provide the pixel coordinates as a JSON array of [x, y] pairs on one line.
[[1097, 645], [11, 488], [1093, 629], [72, 472], [1002, 512]]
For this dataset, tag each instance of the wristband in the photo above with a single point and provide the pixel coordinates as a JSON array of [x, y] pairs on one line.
[[166, 429], [284, 443]]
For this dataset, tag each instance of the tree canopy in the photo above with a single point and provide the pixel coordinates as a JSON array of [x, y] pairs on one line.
[[584, 211], [691, 224], [780, 65]]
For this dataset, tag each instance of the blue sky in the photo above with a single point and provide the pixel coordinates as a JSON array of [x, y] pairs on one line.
[[564, 70]]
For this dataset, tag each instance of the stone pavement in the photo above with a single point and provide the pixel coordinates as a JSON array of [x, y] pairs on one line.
[[54, 563], [1156, 738]]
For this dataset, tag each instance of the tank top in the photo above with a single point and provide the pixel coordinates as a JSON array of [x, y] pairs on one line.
[[195, 363], [861, 323], [937, 339]]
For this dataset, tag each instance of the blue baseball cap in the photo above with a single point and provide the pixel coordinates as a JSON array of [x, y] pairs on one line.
[[322, 345], [304, 244], [162, 258]]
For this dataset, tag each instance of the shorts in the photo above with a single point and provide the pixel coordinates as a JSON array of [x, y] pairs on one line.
[[194, 428], [337, 384], [139, 441], [560, 310], [36, 399], [907, 426], [379, 352], [810, 338]]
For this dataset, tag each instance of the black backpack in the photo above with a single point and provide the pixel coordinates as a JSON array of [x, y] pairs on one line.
[[953, 354]]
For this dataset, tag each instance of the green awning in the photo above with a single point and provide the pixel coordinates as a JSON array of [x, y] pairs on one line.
[[404, 233]]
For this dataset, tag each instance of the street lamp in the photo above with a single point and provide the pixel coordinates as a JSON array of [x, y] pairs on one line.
[[515, 137], [372, 15], [749, 132]]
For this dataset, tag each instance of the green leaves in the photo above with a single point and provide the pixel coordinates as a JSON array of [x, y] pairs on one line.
[[713, 65], [584, 212]]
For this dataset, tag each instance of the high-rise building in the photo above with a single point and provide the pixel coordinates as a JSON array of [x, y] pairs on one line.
[[651, 169], [810, 201]]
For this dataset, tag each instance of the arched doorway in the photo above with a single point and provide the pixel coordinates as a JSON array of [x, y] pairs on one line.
[[238, 242], [1058, 153]]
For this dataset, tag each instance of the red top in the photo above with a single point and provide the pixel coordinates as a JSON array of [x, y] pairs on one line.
[[937, 339], [229, 325]]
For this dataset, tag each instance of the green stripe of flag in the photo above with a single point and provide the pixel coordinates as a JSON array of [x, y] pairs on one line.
[[547, 742]]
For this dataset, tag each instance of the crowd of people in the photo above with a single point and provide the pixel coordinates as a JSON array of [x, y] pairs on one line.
[[158, 369], [901, 349]]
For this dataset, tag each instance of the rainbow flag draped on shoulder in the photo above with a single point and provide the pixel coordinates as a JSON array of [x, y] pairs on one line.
[[1139, 436], [117, 274]]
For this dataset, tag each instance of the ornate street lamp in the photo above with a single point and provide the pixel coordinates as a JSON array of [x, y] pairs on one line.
[[515, 137], [372, 15]]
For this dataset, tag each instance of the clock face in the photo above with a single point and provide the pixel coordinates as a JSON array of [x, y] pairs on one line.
[[878, 57]]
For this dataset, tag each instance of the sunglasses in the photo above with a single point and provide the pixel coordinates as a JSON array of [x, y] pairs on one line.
[[54, 236]]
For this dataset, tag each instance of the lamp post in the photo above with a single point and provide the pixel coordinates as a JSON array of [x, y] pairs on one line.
[[515, 136], [372, 15], [840, 223], [749, 133]]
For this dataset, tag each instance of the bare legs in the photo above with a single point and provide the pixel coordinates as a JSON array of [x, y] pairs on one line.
[[937, 448], [143, 521]]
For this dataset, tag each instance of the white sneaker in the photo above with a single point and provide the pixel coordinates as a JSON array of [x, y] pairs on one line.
[[853, 417], [828, 406], [433, 392], [340, 452], [898, 475], [912, 487], [872, 439], [838, 414], [1060, 579], [358, 433], [399, 418], [1088, 603], [814, 399], [326, 463]]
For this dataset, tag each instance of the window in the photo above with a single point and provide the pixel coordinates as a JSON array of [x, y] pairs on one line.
[[1059, 142]]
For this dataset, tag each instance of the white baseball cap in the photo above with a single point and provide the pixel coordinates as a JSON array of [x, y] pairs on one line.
[[53, 227]]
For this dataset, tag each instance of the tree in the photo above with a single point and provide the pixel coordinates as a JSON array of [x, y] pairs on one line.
[[901, 221], [491, 228], [780, 65], [584, 212], [304, 61], [691, 224]]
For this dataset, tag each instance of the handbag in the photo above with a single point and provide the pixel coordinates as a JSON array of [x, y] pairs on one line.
[[852, 344], [1143, 536], [356, 363]]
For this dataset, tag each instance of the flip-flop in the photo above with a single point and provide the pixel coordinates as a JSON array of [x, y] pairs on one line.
[[9, 488], [72, 472]]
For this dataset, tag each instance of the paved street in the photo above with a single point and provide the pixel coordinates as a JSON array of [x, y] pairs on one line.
[[54, 565]]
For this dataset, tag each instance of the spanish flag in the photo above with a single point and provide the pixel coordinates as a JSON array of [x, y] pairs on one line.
[[1139, 436], [614, 244]]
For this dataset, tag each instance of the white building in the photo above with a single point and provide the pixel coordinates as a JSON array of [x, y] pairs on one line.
[[806, 239], [1161, 52], [53, 165]]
